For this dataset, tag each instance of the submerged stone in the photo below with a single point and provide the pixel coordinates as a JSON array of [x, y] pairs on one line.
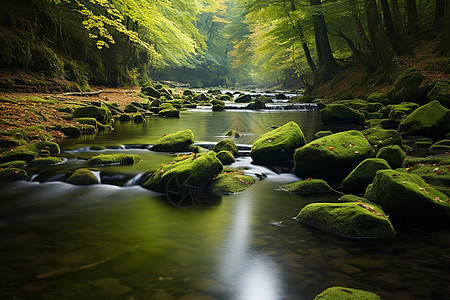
[[232, 182], [175, 142], [305, 187], [363, 174], [349, 219], [243, 99], [344, 293], [115, 159], [407, 196], [278, 145], [82, 177], [331, 156]]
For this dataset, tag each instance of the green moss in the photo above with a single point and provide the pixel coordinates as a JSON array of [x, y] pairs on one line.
[[194, 171], [87, 129], [256, 104], [217, 108], [66, 109], [305, 187], [331, 156], [443, 146], [138, 118], [13, 174], [398, 111], [46, 161], [130, 108], [150, 91], [18, 153], [232, 133], [435, 171], [344, 293], [87, 121], [115, 159], [125, 117], [101, 114], [243, 99], [102, 127], [232, 182], [408, 196], [44, 148], [170, 112], [350, 219], [216, 102], [406, 86], [374, 107], [378, 98], [225, 157], [8, 142], [301, 99], [71, 131], [363, 174], [228, 145], [432, 120], [15, 164], [441, 93], [379, 137], [322, 133], [393, 154], [278, 145], [340, 114], [175, 142], [82, 177]]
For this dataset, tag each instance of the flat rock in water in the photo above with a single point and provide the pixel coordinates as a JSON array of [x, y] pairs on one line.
[[175, 142]]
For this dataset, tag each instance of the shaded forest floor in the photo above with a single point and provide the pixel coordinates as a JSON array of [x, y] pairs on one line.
[[359, 81]]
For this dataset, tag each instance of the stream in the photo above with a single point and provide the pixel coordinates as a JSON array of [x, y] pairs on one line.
[[117, 240]]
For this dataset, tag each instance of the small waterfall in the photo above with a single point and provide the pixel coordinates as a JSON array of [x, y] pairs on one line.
[[135, 180]]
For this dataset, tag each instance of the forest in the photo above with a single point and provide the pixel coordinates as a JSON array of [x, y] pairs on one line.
[[222, 43]]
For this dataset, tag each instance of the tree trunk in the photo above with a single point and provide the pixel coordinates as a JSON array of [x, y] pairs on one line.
[[383, 52], [439, 14], [366, 46], [412, 16], [398, 22], [445, 40], [390, 29], [324, 53]]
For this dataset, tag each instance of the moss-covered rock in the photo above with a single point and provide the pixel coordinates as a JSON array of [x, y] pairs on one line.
[[71, 131], [441, 93], [228, 145], [225, 157], [378, 98], [232, 133], [175, 142], [13, 174], [82, 177], [399, 111], [406, 86], [257, 104], [341, 114], [407, 196], [278, 145], [194, 171], [114, 159], [322, 133], [232, 182], [130, 108], [46, 161], [307, 187], [87, 121], [349, 219], [138, 118], [101, 114], [45, 148], [441, 146], [379, 137], [363, 175], [8, 142], [168, 112], [217, 108], [87, 129], [125, 117], [393, 154], [345, 293], [150, 91], [333, 155], [374, 107], [244, 98], [432, 120], [15, 164], [18, 153]]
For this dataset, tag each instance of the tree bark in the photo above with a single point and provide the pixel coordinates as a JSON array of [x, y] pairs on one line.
[[390, 29], [439, 14], [366, 46], [412, 16], [398, 22], [445, 40], [324, 53]]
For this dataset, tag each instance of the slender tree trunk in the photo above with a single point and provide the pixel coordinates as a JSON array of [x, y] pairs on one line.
[[439, 14], [390, 29], [382, 50], [325, 55], [412, 16], [398, 22], [445, 38], [366, 46]]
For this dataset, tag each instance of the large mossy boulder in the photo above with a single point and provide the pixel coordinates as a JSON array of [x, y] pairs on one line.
[[184, 173], [399, 111], [225, 157], [13, 174], [363, 175], [406, 86], [167, 110], [332, 156], [431, 120], [150, 91], [379, 137], [441, 93], [101, 114], [82, 177], [46, 161], [244, 98], [378, 98], [8, 142], [341, 114], [232, 182], [278, 145], [407, 196], [114, 159], [257, 104], [307, 187], [393, 154], [349, 219], [45, 148], [345, 293], [18, 153], [175, 142], [226, 145]]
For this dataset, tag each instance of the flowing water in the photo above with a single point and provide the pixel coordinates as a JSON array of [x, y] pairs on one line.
[[119, 241]]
